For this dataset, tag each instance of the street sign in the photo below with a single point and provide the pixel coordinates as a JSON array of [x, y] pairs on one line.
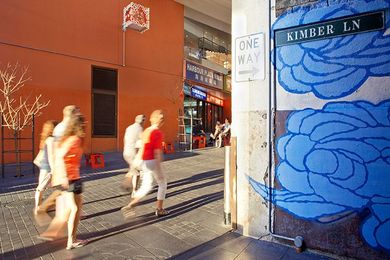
[[334, 28], [250, 57]]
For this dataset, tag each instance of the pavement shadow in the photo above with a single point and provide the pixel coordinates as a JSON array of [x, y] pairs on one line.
[[150, 218], [35, 251], [197, 177], [114, 165], [32, 181], [219, 179], [205, 248], [233, 245], [45, 248], [194, 178]]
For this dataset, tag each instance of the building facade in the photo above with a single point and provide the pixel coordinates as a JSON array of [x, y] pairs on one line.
[[77, 53], [313, 146], [207, 73]]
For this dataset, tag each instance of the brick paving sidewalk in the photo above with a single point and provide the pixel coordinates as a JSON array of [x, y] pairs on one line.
[[195, 200], [193, 230]]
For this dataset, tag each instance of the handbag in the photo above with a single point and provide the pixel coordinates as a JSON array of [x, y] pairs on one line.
[[38, 159], [137, 161]]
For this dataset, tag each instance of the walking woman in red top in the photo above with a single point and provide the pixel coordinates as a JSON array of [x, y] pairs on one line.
[[151, 153], [70, 149]]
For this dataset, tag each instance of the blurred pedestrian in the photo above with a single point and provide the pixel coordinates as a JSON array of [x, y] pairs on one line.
[[45, 160], [132, 143], [58, 172], [70, 151], [152, 153]]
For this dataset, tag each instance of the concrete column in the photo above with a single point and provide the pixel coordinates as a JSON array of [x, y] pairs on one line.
[[250, 105]]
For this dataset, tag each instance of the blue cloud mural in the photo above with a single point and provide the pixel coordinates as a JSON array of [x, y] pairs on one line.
[[334, 162], [333, 68]]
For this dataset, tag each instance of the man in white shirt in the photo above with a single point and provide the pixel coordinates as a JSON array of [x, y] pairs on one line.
[[132, 143]]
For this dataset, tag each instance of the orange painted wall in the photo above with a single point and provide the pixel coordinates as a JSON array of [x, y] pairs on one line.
[[61, 40], [227, 107]]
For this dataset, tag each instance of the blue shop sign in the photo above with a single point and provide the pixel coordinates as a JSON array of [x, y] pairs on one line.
[[198, 73], [199, 94], [187, 89]]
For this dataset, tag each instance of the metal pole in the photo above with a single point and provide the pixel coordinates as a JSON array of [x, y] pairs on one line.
[[123, 46], [32, 141], [19, 154], [16, 150], [298, 240], [2, 146], [191, 130]]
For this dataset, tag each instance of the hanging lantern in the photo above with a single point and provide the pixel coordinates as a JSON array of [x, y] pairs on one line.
[[136, 17]]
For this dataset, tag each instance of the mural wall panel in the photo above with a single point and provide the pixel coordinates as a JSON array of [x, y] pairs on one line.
[[333, 135]]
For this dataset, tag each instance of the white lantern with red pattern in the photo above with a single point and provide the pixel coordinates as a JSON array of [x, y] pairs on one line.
[[136, 17]]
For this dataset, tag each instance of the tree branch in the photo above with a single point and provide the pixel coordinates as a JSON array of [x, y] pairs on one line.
[[17, 115]]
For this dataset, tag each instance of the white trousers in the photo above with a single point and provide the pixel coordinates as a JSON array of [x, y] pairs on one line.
[[150, 171], [133, 162]]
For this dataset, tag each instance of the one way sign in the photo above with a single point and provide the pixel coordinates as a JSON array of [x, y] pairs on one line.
[[249, 58]]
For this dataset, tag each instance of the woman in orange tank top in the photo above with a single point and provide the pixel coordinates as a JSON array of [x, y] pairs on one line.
[[71, 150]]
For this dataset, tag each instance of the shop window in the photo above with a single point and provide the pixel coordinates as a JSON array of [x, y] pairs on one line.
[[104, 102]]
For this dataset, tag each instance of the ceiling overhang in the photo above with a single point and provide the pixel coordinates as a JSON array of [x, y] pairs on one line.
[[214, 13]]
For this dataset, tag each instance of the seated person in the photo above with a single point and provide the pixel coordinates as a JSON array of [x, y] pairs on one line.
[[226, 132], [197, 130], [217, 137]]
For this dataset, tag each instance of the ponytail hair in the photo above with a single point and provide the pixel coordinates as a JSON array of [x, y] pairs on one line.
[[47, 130]]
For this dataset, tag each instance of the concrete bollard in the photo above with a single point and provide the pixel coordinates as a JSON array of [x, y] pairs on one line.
[[227, 211]]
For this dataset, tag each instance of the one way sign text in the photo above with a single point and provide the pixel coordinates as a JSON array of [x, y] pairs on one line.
[[249, 60]]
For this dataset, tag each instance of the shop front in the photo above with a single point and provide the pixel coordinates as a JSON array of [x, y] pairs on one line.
[[204, 98], [206, 108]]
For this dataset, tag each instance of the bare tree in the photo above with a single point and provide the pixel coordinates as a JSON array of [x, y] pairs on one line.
[[174, 95], [17, 111]]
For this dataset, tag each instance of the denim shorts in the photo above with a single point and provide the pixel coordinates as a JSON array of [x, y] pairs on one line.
[[76, 186]]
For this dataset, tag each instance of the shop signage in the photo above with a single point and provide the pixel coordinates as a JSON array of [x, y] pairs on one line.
[[136, 17], [215, 100], [338, 27], [198, 73], [199, 94], [187, 90], [250, 59]]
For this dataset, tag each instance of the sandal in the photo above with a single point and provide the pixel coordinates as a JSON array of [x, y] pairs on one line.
[[77, 244], [45, 238], [161, 212], [126, 208]]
